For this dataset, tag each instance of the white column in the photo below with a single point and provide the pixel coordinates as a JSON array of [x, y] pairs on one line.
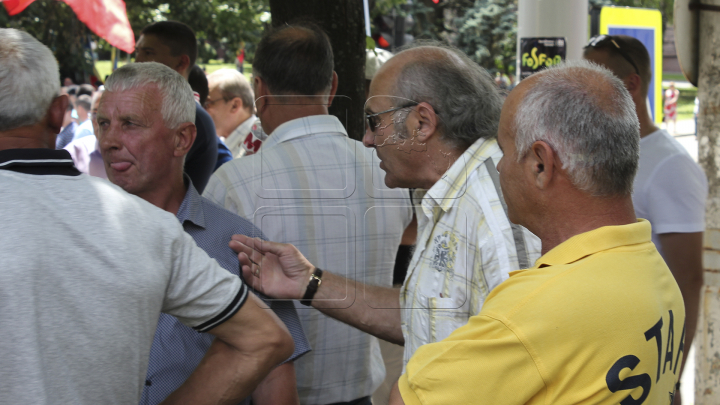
[[554, 18], [707, 338]]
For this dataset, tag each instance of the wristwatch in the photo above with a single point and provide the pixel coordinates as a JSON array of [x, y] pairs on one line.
[[312, 287]]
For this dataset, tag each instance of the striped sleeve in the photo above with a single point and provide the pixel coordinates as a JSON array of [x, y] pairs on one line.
[[228, 312]]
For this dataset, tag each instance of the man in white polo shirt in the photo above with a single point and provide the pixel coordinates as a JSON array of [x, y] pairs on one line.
[[87, 268]]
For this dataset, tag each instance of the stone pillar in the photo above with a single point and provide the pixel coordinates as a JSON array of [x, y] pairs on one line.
[[707, 339]]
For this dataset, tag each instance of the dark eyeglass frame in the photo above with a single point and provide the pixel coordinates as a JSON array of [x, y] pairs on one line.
[[209, 102], [371, 118], [599, 41]]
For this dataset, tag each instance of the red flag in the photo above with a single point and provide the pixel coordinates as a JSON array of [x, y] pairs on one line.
[[107, 18], [15, 6]]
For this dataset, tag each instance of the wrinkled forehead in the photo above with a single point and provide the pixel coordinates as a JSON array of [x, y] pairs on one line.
[[143, 100]]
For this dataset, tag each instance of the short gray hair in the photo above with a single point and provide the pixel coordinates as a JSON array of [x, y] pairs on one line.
[[587, 116], [462, 93], [85, 102], [233, 84], [29, 79], [178, 102]]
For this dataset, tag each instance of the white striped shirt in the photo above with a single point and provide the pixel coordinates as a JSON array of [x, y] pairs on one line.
[[466, 246], [312, 186]]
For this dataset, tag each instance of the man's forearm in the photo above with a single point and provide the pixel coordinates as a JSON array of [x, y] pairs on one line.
[[372, 309], [683, 254], [278, 388], [213, 382], [281, 271], [246, 347]]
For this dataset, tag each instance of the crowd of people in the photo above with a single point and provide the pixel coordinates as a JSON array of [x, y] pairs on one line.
[[209, 239]]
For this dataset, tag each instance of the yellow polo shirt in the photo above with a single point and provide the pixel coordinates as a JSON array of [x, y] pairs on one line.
[[598, 320]]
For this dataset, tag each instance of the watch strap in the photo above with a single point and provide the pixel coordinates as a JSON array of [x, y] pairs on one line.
[[315, 281]]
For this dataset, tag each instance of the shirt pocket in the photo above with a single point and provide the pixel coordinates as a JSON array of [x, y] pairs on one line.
[[444, 316]]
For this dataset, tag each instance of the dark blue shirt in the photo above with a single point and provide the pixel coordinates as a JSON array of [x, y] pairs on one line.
[[224, 154], [65, 136], [203, 155], [177, 349]]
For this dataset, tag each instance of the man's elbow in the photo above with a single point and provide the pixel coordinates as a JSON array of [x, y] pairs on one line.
[[282, 345]]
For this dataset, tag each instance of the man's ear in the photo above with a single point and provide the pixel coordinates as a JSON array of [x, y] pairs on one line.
[[542, 162], [424, 123], [183, 65], [236, 104], [56, 113], [261, 94], [333, 89], [184, 138], [633, 84]]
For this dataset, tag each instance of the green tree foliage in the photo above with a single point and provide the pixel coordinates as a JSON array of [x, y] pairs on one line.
[[222, 25], [488, 34], [486, 29], [54, 24]]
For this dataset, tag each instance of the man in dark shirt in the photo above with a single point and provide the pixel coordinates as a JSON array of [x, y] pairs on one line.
[[174, 45], [158, 149]]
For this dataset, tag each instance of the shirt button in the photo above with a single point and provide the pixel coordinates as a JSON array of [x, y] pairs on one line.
[[148, 383]]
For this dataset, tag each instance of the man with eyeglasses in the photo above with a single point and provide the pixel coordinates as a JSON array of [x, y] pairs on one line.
[[670, 189], [432, 120], [311, 185], [231, 104]]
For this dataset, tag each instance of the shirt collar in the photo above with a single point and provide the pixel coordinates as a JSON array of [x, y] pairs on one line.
[[38, 161], [237, 136], [597, 240], [453, 183], [311, 125], [191, 208]]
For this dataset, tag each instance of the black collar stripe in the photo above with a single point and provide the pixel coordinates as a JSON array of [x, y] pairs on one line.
[[38, 162]]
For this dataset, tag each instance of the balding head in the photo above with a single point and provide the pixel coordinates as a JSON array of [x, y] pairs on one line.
[[295, 59], [462, 93], [587, 116]]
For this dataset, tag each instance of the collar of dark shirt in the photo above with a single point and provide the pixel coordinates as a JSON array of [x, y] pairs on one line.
[[191, 207]]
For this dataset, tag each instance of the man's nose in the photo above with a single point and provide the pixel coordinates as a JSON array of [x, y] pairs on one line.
[[369, 137], [108, 138]]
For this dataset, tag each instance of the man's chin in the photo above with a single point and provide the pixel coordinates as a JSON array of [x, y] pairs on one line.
[[392, 182]]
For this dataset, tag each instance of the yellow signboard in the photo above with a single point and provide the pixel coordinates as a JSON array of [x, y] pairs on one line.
[[645, 25]]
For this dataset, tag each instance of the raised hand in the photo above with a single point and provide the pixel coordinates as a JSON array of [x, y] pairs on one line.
[[278, 270]]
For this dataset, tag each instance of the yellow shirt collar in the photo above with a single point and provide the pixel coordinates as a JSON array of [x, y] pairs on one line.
[[600, 239]]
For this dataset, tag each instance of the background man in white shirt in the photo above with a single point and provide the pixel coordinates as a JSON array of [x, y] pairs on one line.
[[313, 186], [231, 104], [670, 189]]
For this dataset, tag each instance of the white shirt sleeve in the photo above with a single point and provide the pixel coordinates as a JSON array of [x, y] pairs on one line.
[[675, 196], [200, 293]]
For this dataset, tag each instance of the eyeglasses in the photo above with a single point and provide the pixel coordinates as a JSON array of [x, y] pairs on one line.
[[209, 102], [601, 41], [373, 120]]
